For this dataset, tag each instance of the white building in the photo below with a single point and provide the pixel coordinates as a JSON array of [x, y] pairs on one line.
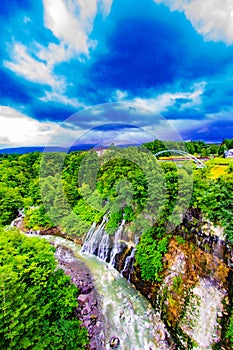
[[229, 153]]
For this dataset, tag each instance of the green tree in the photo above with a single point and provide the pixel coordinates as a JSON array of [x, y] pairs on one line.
[[37, 300], [10, 201], [150, 251]]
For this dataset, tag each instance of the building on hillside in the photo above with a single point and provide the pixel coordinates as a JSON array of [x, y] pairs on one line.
[[100, 151], [229, 153]]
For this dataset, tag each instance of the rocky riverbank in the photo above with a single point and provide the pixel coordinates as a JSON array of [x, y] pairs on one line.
[[89, 303]]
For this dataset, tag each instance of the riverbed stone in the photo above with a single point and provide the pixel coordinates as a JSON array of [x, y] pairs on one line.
[[114, 342], [88, 310], [83, 299], [86, 289]]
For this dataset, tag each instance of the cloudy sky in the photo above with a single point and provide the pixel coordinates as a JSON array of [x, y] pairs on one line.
[[126, 69]]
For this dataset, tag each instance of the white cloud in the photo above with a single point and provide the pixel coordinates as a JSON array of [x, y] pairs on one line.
[[30, 68], [120, 95], [53, 54], [26, 20], [60, 18], [157, 104], [212, 19], [56, 97], [71, 21], [186, 124], [18, 130], [223, 114], [105, 6], [163, 101], [194, 97]]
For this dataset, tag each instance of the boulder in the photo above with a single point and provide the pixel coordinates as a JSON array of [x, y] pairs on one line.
[[114, 342], [83, 299], [86, 289]]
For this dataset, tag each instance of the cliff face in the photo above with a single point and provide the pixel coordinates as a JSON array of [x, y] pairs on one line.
[[195, 292], [203, 234]]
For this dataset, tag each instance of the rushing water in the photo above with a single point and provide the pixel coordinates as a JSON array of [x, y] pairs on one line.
[[116, 247], [128, 315], [200, 321]]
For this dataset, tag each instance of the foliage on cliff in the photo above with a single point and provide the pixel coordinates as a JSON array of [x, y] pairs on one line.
[[215, 198], [37, 300], [229, 333], [150, 251]]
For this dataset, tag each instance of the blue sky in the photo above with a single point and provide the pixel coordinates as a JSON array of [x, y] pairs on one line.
[[168, 66]]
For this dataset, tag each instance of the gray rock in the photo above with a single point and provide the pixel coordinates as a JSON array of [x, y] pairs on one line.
[[83, 299]]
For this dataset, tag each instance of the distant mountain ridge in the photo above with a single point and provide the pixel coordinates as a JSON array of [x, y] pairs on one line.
[[153, 146], [23, 150], [81, 147]]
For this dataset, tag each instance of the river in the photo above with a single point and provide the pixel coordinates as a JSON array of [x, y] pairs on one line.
[[128, 315]]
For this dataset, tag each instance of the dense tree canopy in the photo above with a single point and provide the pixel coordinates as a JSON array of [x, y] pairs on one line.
[[37, 300]]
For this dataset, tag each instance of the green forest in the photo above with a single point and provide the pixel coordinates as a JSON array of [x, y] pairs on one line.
[[71, 191], [37, 300]]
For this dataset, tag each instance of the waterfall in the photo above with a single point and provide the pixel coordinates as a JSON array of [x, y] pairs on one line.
[[17, 222], [110, 248], [128, 316], [104, 247], [116, 247], [129, 261], [93, 238], [200, 318], [218, 249], [98, 242]]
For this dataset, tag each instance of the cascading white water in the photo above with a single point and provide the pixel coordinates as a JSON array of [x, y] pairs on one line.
[[93, 238], [128, 315], [104, 247], [116, 247], [128, 267], [101, 244], [17, 222], [200, 320]]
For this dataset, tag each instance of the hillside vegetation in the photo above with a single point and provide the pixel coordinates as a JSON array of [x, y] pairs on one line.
[[72, 191], [37, 300]]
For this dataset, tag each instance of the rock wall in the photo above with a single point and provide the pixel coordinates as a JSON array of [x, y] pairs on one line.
[[203, 234], [195, 294]]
